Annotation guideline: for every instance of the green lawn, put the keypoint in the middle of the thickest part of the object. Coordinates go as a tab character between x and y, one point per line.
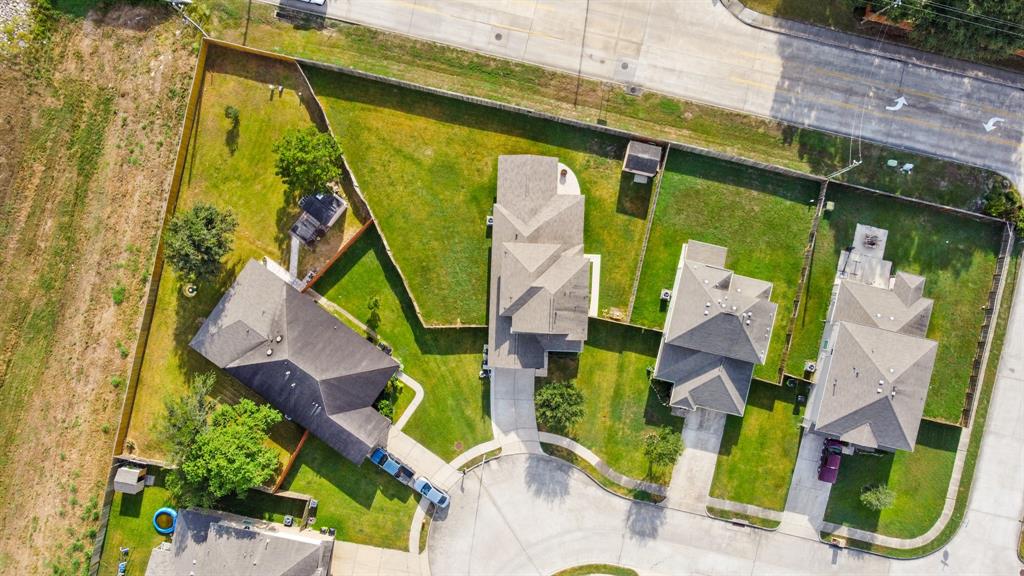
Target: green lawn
243	181
758	452
957	257
428	167
363	503
762	218
919	479
131	526
620	405
454	414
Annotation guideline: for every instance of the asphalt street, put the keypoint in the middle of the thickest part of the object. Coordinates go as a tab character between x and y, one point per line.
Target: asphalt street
697	50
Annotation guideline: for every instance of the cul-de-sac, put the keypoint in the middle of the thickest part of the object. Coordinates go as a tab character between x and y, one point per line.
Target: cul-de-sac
511	287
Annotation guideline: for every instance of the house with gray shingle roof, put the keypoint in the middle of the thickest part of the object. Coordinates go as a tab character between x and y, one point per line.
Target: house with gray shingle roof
301	359
208	543
875	363
540	278
719	325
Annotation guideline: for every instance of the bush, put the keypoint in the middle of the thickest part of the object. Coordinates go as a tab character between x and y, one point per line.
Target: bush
1003	201
662	448
117	381
117	294
877	497
559	406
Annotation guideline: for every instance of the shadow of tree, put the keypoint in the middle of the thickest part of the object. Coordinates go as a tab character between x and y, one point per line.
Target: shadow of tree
644	521
547	477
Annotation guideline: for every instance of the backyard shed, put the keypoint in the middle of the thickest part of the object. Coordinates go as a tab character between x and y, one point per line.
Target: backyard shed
319	212
130	480
642	160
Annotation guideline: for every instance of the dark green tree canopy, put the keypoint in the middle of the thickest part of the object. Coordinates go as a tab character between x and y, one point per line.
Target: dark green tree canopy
559	406
228	456
197	239
307	159
976	29
662	448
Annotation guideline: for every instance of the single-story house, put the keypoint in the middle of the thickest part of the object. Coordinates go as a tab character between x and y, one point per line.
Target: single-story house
642	161
301	359
208	543
319	212
875	362
540	279
719	325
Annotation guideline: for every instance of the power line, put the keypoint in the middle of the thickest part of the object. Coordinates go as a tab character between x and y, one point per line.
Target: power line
971	14
952	17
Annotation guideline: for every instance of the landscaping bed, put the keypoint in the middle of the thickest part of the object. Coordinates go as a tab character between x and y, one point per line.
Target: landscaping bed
620	404
920	480
762	218
956	255
455	413
758	451
428	167
363	503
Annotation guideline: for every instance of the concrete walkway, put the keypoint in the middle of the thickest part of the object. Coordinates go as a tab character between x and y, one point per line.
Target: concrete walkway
293	257
748	509
417	389
808	496
359	560
512	410
693	473
700	51
602	467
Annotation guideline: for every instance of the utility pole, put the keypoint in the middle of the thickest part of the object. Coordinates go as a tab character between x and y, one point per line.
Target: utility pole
579	68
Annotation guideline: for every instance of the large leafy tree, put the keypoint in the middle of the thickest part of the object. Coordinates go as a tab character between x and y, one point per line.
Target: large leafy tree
197	239
559	406
228	456
307	159
976	29
187	416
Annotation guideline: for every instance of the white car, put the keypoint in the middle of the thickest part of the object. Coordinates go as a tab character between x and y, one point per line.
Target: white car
424	487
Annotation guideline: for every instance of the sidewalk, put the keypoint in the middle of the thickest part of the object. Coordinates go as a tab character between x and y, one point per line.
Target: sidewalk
695	469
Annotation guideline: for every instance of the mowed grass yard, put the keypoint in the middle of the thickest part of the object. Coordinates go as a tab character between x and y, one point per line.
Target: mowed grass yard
919	479
363	503
620	406
131	526
243	181
428	167
761	217
758	451
956	255
454	414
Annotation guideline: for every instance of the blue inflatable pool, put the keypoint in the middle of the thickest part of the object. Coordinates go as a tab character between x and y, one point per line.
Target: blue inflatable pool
164	520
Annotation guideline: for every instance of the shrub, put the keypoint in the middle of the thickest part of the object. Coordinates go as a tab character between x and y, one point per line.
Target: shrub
117	381
122	349
1003	201
877	497
117	294
662	448
559	406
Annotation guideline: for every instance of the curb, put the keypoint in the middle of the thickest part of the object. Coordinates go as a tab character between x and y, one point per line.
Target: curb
879	48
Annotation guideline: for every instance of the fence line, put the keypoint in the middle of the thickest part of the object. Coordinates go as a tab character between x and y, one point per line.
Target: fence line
651	208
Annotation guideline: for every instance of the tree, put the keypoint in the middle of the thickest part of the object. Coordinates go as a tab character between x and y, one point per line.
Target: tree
307	159
187	416
559	406
197	239
228	457
977	29
662	448
877	497
1003	201
373	305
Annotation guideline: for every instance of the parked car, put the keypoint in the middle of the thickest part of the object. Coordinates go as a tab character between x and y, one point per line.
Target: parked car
831	456
424	487
392	465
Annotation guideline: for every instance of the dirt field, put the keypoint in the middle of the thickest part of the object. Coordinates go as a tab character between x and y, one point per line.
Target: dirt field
89	125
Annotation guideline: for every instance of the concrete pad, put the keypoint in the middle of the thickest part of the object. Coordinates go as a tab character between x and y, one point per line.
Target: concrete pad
808	496
695	469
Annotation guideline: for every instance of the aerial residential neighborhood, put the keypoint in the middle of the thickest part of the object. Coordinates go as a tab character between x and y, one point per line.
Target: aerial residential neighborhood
561	288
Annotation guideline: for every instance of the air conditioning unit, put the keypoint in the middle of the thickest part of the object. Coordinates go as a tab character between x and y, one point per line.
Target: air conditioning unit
810	366
666	295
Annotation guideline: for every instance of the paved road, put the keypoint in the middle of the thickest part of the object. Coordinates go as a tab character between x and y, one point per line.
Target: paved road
533	514
696	49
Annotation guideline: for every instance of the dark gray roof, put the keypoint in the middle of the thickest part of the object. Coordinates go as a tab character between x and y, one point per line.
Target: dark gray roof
323	207
307	229
642	158
874	392
217	544
718	326
321	374
540	280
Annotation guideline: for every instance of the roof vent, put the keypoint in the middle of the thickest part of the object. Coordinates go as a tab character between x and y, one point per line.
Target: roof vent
877	315
707	304
748	322
893	394
270	351
879	390
705	312
881	382
733	308
278	339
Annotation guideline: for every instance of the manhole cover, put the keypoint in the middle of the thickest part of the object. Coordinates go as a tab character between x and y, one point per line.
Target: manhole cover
498	36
